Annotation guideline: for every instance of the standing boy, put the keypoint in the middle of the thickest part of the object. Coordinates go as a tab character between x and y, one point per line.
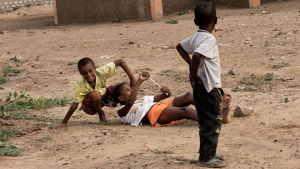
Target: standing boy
92	90
206	81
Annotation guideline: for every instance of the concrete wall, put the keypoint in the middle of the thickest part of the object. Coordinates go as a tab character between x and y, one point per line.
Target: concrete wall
87	11
171	6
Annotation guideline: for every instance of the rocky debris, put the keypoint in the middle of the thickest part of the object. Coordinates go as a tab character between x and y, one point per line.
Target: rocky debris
272	74
231	72
242	111
130	43
13	78
272	58
248	39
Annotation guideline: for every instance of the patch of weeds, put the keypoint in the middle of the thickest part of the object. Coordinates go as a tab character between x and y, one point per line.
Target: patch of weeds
169	71
45	138
16	7
246	88
247	82
147	68
280	65
72	63
163	152
286	99
3	80
18	13
38	57
269	78
6	70
24	14
262	123
266	43
39	4
293	86
172	22
15	106
8	149
24	61
295	31
30	32
28	5
1	88
5	133
153	21
181	79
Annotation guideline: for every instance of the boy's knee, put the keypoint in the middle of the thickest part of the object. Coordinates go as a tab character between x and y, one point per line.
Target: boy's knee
95	96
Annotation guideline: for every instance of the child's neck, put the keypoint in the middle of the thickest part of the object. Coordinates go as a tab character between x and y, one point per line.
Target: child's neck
207	28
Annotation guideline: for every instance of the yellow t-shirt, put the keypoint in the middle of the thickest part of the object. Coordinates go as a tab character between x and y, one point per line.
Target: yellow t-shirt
83	87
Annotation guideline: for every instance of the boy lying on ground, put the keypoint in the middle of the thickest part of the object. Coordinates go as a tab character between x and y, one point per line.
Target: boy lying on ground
147	110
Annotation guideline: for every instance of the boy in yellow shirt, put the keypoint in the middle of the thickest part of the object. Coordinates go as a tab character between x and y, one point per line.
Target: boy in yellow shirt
92	90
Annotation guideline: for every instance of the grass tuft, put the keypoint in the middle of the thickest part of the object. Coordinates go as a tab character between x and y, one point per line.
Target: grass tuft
172	22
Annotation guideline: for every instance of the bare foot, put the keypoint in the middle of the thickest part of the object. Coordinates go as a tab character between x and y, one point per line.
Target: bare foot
226	113
102	120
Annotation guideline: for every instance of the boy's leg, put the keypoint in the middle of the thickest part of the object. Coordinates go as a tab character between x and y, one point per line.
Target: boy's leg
177	113
95	97
210	119
183	100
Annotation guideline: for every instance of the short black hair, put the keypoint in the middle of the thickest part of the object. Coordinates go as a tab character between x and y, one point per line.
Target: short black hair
84	61
205	12
117	91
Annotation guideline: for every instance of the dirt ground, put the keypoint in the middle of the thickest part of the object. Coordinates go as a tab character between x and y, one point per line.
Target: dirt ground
268	138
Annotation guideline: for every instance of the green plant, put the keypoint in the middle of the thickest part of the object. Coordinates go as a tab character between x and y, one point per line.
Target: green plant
16	7
246	88
18	13
45	138
172	22
5	133
266	43
1	88
286	99
33	66
30	32
269	78
153	21
9	149
39	4
169	71
15	106
24	61
28	5
24	14
3	80
6	70
280	65
163	152
72	63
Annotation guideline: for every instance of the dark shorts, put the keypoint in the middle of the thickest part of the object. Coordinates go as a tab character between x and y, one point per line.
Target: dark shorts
107	100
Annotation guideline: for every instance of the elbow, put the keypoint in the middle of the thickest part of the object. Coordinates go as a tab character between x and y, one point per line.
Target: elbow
178	47
119	62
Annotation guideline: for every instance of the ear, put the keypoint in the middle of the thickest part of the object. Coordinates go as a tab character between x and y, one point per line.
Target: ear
196	22
216	20
121	98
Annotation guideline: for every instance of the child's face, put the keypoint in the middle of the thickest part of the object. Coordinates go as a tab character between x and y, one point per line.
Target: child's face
88	72
124	92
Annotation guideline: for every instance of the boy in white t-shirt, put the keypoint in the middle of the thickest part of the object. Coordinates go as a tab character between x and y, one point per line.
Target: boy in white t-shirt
205	72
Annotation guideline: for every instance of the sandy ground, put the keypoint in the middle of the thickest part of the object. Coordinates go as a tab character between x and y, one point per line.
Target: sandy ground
268	138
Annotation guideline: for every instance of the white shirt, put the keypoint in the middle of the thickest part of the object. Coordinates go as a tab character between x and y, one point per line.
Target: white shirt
209	69
137	111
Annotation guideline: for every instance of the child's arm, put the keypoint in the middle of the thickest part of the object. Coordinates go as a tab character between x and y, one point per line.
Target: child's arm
67	117
163	95
122	63
132	98
195	65
183	54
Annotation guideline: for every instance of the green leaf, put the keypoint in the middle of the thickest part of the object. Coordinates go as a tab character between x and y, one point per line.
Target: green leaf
1	88
21	91
15	94
9	94
7	99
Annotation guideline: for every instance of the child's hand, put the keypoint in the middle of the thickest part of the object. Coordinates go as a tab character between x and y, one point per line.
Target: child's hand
61	125
165	90
144	76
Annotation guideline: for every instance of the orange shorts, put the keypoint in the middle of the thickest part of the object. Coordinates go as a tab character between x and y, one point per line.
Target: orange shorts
156	111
